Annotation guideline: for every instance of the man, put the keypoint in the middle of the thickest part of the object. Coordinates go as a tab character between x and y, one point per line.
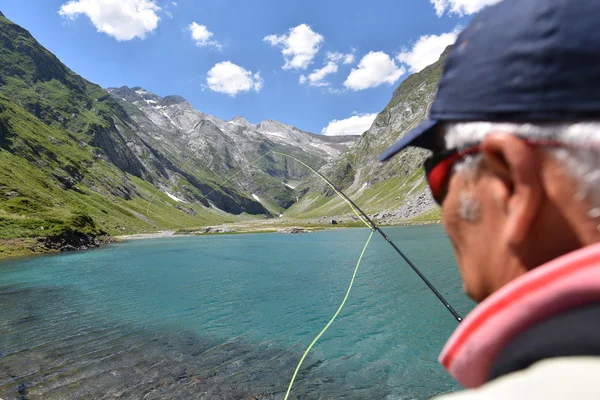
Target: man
515	135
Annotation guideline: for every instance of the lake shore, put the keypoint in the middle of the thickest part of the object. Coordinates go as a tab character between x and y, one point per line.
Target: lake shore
155	235
19	247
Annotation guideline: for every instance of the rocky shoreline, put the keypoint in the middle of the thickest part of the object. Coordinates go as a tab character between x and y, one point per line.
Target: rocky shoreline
50	244
73	242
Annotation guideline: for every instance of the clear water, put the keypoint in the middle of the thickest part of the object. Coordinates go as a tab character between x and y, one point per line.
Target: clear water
229	317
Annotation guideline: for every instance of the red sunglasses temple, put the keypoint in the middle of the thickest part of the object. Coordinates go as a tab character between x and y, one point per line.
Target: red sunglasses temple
438	175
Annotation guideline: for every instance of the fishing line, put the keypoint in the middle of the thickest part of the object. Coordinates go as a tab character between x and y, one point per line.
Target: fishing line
332	318
364	218
372	225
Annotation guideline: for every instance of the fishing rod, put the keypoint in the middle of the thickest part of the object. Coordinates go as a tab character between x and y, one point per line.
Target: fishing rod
363	216
387	238
410	263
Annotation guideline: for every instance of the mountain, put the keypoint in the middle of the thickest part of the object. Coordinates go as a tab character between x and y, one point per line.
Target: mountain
231	147
392	191
78	161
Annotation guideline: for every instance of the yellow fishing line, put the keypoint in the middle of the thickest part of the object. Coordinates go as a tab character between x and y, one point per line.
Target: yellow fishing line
355	268
332	318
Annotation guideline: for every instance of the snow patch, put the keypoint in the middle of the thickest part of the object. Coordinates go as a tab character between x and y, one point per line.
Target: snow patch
277	134
177	199
151	101
170	119
238	124
146	101
141	92
290	186
255	197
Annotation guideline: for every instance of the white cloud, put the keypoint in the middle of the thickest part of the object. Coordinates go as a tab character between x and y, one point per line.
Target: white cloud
332	60
174	3
427	50
202	36
460	7
299	47
375	68
355	125
121	19
229	78
318	75
340	57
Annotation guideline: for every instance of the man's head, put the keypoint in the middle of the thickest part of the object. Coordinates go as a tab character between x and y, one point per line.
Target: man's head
524	195
515	132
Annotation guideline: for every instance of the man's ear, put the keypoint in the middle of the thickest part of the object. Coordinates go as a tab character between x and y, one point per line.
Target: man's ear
515	163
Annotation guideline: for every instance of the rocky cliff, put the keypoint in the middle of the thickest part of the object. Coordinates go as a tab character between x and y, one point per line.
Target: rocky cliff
395	190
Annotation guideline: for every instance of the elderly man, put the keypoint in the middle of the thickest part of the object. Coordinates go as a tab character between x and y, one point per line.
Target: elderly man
515	135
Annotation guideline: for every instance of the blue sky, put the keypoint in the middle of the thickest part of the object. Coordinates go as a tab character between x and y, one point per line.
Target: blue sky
327	65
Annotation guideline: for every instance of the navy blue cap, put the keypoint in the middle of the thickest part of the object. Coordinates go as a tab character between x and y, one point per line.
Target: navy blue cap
519	61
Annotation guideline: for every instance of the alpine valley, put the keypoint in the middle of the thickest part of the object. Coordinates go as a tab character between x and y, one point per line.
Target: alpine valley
80	164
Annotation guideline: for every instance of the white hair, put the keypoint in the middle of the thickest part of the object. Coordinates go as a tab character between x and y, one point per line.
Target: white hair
581	154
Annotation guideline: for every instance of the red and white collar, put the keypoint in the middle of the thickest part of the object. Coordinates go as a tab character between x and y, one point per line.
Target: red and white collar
570	281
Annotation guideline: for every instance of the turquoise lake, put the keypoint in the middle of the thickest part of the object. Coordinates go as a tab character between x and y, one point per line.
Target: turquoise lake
228	317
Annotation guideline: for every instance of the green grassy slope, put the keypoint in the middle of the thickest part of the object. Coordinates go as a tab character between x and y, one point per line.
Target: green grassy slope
47	179
65	160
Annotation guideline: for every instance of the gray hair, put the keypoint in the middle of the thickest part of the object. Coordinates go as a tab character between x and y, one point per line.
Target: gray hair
581	154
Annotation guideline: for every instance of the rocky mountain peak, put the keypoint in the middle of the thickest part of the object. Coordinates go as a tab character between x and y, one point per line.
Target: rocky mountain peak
174	99
241	121
140	94
272	126
124	93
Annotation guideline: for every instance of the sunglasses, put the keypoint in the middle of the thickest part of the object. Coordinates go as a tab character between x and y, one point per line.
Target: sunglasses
439	166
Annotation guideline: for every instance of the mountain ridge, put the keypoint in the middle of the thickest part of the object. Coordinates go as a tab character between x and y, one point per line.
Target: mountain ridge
227	147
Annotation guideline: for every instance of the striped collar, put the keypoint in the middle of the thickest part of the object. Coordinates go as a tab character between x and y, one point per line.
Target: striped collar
570	281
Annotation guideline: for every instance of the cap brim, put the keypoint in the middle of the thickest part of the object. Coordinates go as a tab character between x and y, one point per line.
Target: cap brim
421	136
